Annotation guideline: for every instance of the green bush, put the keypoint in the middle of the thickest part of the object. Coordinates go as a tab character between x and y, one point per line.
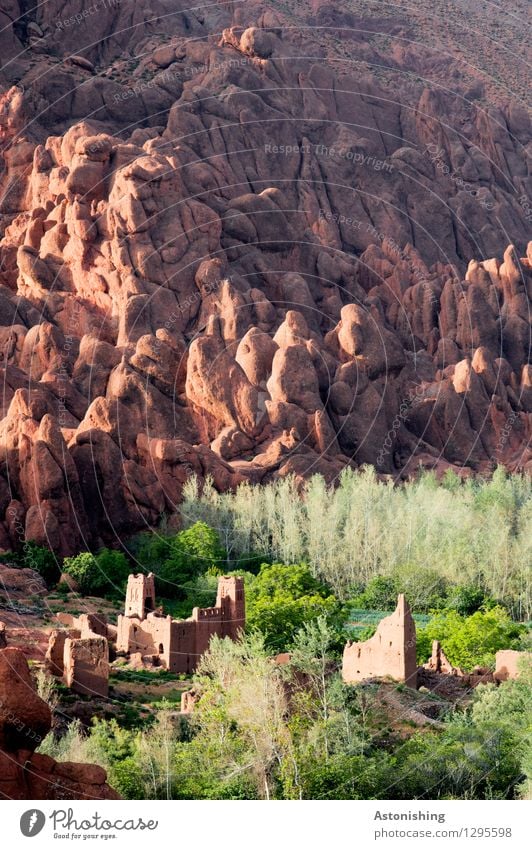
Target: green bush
423	587
115	567
281	599
380	594
37	557
468	599
98	573
470	641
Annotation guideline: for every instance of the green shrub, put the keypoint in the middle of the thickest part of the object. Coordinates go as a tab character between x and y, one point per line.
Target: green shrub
98	573
37	557
380	594
281	599
467	599
423	588
470	641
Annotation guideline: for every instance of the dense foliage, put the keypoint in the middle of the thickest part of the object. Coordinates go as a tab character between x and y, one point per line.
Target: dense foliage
96	574
178	559
470	641
474	533
280	599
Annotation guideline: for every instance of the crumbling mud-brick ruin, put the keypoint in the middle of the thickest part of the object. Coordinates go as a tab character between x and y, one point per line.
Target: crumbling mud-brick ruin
508	664
177	644
79	654
391	652
86	665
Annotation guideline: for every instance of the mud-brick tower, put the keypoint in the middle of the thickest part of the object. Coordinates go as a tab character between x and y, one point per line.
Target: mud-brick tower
390	652
231	600
140	595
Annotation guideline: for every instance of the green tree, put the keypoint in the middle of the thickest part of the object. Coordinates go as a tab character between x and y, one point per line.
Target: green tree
467	599
114	567
98	573
312	656
380	594
470	641
281	599
37	557
84	570
474	532
177	560
465	761
244	704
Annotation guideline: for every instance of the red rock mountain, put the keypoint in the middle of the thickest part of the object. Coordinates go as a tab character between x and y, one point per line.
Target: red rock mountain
248	240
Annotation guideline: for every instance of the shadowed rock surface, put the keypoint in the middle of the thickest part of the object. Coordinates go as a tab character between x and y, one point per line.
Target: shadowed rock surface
227	248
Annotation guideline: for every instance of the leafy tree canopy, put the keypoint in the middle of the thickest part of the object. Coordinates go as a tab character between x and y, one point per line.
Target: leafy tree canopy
97	574
176	560
281	598
470	641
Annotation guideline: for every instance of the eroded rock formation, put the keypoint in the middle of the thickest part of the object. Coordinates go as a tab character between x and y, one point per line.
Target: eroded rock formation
221	257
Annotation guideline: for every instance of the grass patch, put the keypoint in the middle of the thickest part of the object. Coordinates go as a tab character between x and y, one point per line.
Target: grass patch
143	676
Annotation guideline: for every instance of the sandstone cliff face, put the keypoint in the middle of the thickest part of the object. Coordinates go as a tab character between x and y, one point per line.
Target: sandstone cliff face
222	257
24	721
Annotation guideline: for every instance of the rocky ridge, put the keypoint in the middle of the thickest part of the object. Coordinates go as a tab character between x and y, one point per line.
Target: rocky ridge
223	255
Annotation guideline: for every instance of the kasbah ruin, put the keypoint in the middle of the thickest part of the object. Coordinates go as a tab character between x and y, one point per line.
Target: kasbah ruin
82	647
79	653
82	651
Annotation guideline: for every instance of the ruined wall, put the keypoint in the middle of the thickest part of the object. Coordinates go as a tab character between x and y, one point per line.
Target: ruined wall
208	622
183	657
157	630
124	626
92	623
55	652
86	665
145	636
188	701
439	662
65	619
390	652
508	663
